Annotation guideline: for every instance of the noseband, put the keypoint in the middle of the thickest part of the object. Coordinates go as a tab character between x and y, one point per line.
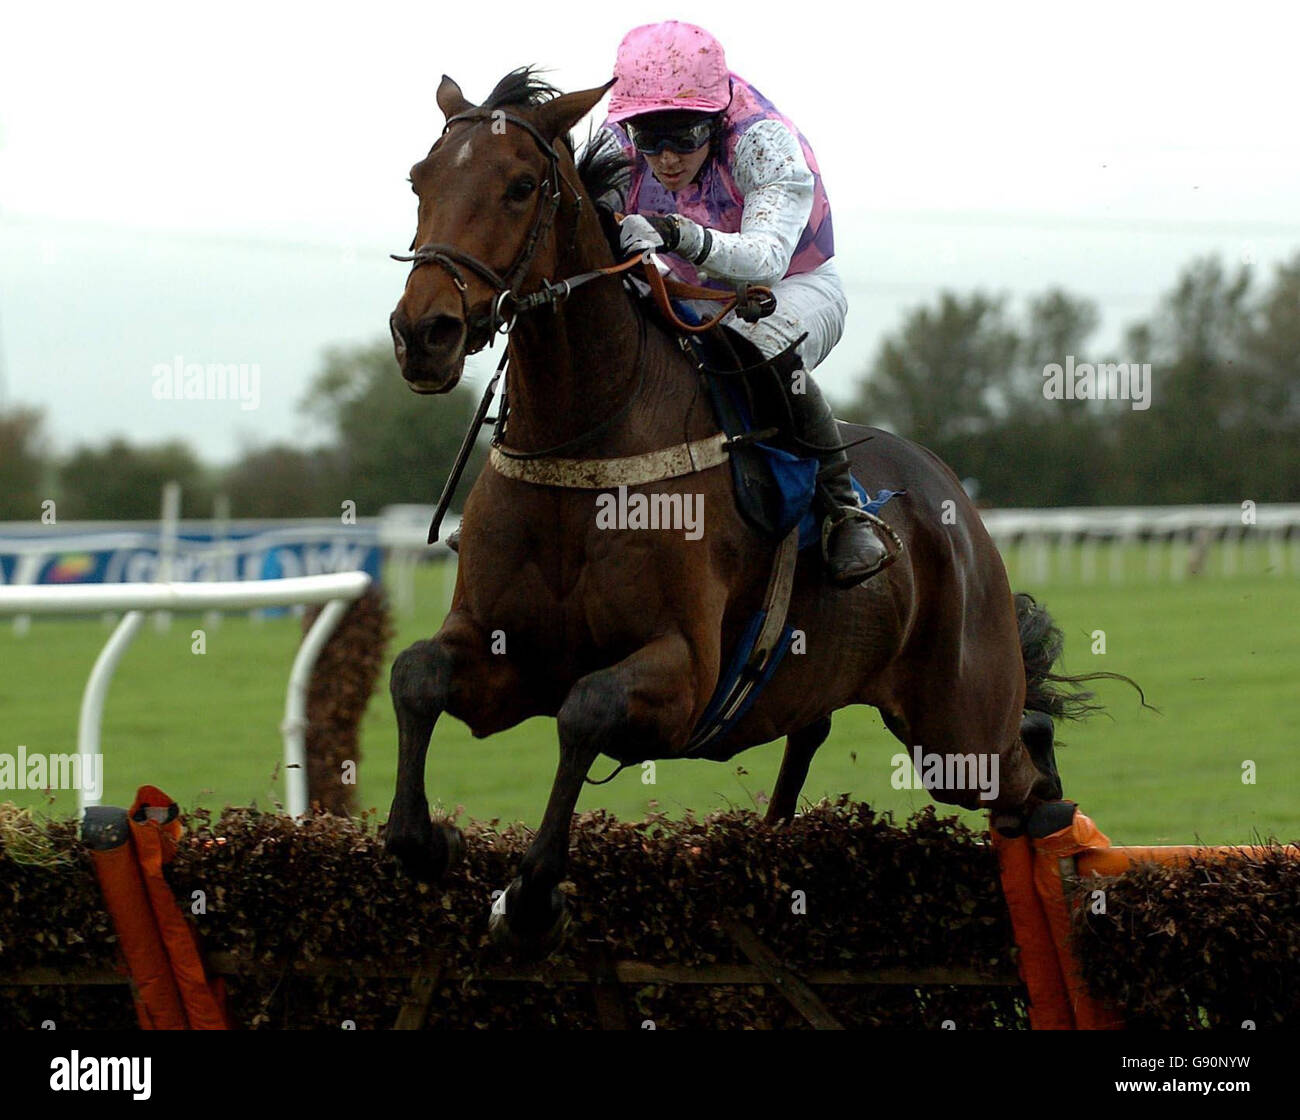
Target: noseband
506	304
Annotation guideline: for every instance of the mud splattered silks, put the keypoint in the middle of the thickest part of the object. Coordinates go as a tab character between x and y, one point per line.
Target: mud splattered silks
754	167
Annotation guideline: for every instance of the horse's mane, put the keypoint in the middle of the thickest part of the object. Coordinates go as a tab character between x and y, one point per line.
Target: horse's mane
523	88
605	173
602	168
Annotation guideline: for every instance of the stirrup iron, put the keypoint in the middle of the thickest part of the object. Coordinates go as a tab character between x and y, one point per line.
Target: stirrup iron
883	530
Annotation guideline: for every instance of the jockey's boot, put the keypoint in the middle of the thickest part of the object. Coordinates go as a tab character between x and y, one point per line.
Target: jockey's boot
453	540
850	545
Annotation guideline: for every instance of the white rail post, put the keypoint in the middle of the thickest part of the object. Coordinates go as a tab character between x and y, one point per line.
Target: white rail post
220	531
92	701
168	527
294	727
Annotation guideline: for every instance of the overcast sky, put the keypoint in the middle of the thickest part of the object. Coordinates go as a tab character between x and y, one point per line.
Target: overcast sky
224	183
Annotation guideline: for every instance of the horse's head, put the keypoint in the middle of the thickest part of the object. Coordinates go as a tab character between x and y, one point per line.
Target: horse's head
492	191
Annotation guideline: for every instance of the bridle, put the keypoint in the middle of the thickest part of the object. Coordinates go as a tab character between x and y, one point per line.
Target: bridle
506	304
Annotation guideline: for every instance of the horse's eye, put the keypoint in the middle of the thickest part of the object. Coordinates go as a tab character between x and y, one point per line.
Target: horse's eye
521	188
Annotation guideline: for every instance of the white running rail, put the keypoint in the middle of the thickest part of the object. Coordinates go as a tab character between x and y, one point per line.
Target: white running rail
335	591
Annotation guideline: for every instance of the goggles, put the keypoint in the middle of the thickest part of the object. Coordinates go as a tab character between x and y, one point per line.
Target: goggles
682	139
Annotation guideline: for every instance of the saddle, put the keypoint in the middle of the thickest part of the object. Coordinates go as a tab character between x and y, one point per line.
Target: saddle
774	480
774	486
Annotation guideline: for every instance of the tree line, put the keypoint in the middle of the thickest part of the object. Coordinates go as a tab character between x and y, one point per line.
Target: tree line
385	446
965	375
970	380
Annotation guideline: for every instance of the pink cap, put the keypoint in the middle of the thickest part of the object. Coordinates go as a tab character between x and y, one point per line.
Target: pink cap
669	65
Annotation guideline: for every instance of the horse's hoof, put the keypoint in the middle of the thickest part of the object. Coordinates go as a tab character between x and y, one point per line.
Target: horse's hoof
1049	817
1011	823
425	853
455	841
535	936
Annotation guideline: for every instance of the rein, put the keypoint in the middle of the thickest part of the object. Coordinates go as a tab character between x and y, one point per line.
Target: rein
755	301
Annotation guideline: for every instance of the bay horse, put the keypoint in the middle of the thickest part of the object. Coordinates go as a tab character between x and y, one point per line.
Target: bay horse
621	634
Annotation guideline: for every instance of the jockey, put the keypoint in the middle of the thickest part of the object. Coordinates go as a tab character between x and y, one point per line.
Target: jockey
730	190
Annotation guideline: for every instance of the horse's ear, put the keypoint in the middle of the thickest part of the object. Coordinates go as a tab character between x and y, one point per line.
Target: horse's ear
450	100
560	114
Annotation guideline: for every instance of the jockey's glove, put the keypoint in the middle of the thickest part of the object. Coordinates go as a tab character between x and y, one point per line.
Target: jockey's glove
667	233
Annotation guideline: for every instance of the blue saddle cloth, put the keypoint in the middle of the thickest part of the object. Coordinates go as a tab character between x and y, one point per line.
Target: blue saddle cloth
774	488
796	479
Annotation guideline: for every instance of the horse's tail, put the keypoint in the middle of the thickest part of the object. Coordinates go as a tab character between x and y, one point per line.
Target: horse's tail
1041	643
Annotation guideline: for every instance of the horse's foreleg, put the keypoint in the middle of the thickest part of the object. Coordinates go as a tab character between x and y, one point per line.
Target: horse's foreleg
640	708
454	671
800	746
418	684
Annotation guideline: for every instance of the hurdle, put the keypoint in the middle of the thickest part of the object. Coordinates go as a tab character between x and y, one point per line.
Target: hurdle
1055	849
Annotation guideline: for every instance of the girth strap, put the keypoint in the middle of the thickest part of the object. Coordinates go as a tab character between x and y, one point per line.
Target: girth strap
601	474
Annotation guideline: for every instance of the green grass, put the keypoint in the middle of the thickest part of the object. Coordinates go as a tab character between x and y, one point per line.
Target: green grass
1217	655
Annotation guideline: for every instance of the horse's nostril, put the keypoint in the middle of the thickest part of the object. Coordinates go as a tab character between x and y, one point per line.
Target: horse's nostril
441	332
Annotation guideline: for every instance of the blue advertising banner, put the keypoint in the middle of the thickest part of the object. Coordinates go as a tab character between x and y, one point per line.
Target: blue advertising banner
104	554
